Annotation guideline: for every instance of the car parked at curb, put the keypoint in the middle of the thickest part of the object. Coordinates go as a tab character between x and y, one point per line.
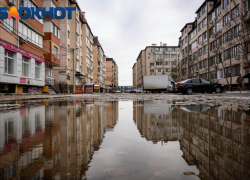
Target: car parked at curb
195	85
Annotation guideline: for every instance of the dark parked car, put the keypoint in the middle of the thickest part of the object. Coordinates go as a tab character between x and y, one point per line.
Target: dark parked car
132	91
190	86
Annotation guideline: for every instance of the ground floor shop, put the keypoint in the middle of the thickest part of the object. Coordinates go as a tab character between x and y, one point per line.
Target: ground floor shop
20	71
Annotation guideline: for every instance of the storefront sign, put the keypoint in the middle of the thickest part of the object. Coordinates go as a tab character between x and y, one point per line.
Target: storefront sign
22	52
32	90
22	80
89	89
62	72
19	90
78	89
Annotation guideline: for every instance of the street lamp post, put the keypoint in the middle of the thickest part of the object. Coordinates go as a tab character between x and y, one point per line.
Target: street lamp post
74	68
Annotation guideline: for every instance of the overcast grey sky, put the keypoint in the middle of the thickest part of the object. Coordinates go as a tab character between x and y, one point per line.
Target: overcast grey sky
125	27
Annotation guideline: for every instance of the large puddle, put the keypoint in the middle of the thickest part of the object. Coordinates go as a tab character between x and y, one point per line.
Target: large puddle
88	139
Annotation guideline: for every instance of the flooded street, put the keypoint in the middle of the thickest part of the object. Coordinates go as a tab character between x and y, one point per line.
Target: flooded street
85	138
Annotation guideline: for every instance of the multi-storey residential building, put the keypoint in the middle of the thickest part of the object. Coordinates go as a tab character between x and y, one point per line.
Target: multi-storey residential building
214	46
134	74
112	73
51	46
156	60
22	66
99	74
76	66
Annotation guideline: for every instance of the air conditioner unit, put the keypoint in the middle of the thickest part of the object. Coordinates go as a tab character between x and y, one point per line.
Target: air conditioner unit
202	43
11	2
22	39
237	58
4	87
211	22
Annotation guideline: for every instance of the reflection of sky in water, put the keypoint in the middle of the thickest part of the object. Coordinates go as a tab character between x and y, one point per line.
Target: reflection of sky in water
125	155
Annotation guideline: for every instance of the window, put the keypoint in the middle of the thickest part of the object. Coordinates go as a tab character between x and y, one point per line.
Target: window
228	72
196	81
204	22
195	56
30	3
152	70
205	49
77	37
227	54
151	57
167	63
211	31
167	70
212	16
186	38
174	63
157	49
166	49
37	70
158	63
212	45
158	56
200	52
200	65
226	19
219	26
25	67
174	49
77	24
236	51
77	63
9	24
227	36
55	30
199	26
68	34
212	61
151	50
200	39
205	81
204	36
225	3
158	70
194	45
151	64
213	75
8	62
31	35
219	41
192	34
236	70
173	56
205	63
219	74
235	31
55	51
167	56
235	12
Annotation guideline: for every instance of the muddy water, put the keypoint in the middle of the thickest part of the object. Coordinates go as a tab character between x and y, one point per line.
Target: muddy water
87	139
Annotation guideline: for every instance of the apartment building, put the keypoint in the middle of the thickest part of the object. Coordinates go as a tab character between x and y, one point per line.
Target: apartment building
111	74
76	65
22	63
99	60
213	46
156	60
214	142
134	74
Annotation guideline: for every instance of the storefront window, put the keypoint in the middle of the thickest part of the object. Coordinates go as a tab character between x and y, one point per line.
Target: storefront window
9	63
25	67
37	70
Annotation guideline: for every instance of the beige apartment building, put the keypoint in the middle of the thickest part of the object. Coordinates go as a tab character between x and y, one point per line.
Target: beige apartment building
134	74
76	56
214	46
155	60
112	73
99	72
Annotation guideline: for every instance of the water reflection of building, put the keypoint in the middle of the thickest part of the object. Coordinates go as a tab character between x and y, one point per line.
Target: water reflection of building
21	141
55	141
216	141
156	122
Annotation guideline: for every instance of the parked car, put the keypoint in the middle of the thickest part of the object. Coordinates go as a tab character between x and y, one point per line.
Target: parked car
190	86
139	90
118	91
132	91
